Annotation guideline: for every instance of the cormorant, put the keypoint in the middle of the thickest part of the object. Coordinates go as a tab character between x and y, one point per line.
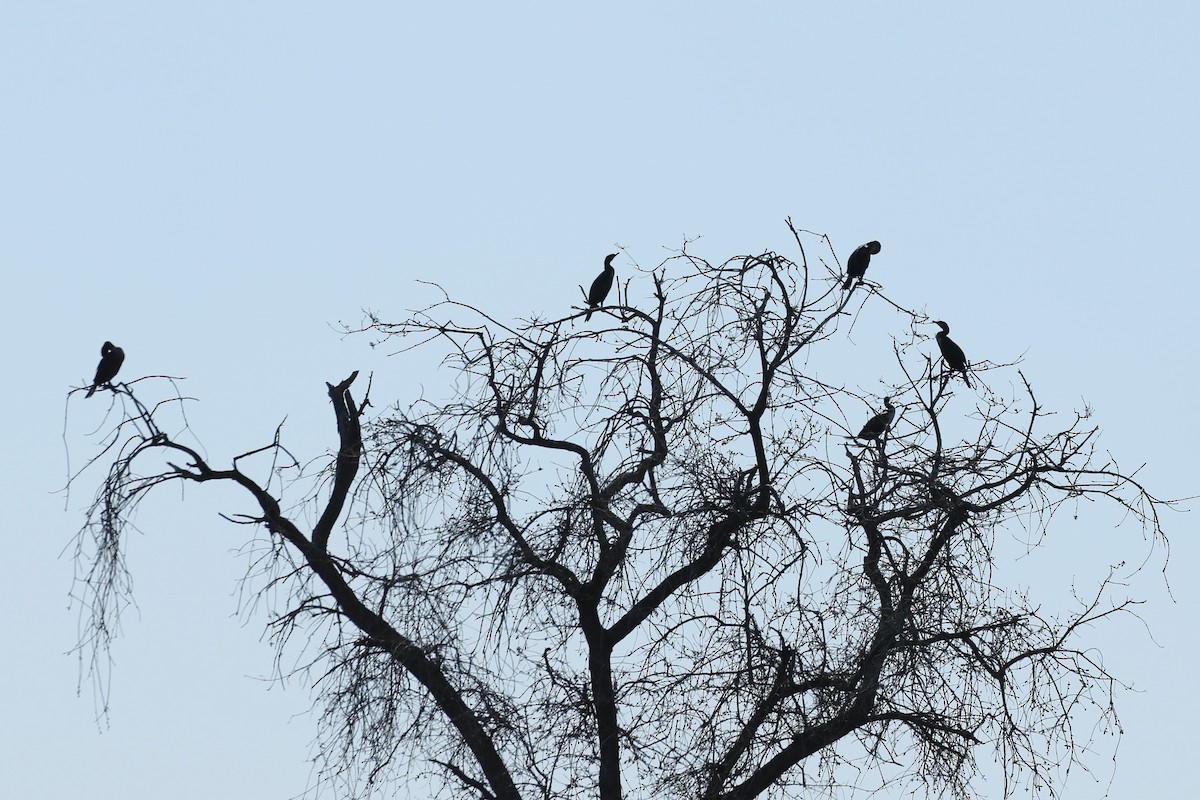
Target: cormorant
951	352
111	358
601	286
879	423
859	260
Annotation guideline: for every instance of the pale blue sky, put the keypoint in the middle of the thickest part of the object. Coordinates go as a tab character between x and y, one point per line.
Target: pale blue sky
213	186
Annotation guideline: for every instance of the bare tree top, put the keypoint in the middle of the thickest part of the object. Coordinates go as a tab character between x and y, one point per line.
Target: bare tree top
637	550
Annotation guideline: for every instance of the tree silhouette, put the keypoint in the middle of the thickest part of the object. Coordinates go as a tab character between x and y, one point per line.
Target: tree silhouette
651	559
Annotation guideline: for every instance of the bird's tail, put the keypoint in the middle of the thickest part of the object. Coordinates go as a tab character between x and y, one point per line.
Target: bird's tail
849	282
92	390
966	380
589	315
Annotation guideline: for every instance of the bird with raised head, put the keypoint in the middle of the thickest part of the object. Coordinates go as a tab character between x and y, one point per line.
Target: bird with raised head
877	425
111	358
601	286
859	260
952	354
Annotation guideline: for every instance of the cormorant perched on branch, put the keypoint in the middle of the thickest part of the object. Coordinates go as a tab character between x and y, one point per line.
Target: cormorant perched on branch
859	260
601	286
879	423
111	358
953	355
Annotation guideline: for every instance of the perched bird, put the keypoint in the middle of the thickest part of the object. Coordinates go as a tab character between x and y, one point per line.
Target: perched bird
859	260
601	286
878	424
111	358
952	354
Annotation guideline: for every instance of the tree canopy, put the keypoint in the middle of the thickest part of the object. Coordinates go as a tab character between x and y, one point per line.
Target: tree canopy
646	555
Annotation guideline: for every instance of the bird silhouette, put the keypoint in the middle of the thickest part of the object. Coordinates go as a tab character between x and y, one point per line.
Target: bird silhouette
878	424
601	286
859	260
952	354
111	358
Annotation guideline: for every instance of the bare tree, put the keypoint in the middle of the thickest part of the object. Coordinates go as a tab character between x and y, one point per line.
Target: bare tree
647	558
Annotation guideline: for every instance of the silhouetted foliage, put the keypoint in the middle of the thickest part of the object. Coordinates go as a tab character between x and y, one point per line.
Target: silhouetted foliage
651	560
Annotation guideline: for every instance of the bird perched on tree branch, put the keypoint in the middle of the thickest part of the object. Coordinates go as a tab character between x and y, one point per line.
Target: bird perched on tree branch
877	425
859	260
111	358
601	286
952	354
